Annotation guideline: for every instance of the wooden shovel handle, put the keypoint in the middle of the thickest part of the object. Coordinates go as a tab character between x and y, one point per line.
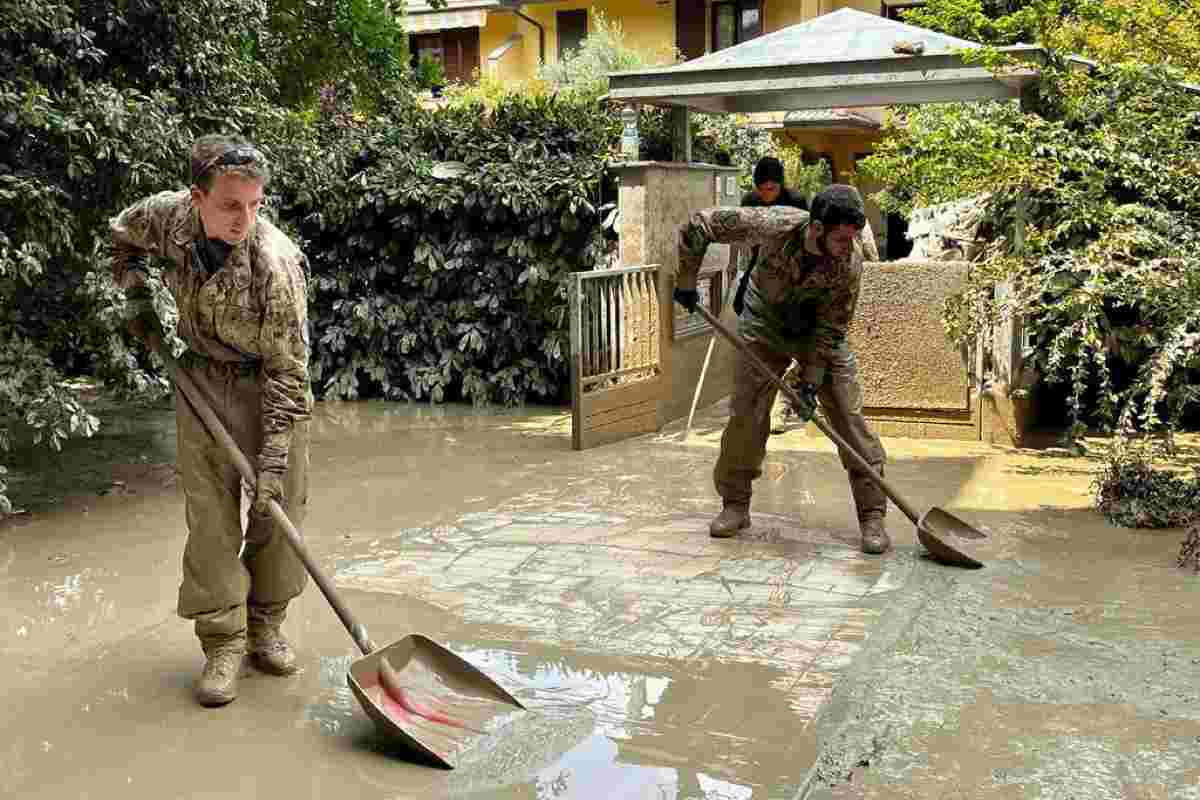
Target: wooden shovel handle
791	394
219	432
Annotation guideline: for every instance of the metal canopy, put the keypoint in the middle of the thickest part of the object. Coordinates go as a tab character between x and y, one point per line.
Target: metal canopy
845	59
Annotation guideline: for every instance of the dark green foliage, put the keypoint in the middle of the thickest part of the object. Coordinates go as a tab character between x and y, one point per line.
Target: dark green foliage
1106	269
454	289
1132	493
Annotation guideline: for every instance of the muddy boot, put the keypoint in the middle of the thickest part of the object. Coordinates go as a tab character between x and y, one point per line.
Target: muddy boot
269	651
875	539
217	684
733	518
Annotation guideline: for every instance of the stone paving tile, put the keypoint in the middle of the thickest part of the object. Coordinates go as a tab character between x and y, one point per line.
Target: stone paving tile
650	586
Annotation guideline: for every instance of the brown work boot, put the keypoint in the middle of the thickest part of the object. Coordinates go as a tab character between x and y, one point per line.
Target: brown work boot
269	650
875	539
217	684
733	518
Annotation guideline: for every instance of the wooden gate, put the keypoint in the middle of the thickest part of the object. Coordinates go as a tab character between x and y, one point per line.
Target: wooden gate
616	369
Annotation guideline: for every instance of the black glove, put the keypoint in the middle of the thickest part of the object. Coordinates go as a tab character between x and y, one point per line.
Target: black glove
807	405
688	298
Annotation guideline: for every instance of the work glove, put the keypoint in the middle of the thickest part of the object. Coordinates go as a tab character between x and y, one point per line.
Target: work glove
688	298
270	487
807	405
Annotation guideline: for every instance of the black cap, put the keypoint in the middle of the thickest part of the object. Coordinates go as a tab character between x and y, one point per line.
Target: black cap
839	204
767	169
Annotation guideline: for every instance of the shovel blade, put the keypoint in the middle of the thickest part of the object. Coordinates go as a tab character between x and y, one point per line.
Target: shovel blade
447	706
949	539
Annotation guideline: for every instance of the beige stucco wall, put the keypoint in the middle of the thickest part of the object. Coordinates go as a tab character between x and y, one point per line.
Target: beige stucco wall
655	199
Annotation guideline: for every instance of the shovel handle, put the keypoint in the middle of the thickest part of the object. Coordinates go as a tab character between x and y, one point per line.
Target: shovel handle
218	431
791	394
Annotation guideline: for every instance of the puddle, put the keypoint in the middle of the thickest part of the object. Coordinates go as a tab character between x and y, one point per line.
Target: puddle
591	729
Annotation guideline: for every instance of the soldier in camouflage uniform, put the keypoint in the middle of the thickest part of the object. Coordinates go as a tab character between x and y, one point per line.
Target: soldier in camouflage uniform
239	284
799	305
780	412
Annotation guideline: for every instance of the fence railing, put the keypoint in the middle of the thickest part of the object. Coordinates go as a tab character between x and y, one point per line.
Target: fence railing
615	326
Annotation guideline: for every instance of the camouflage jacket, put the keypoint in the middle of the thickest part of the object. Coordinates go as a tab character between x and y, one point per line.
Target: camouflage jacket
252	309
797	302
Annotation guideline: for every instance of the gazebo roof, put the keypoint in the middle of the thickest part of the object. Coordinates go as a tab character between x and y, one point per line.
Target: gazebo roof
846	59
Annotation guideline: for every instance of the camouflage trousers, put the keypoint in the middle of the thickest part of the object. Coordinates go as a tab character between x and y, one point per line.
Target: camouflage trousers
225	567
744	443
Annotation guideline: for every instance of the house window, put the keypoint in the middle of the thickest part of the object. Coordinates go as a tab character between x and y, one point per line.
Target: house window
572	27
895	11
735	21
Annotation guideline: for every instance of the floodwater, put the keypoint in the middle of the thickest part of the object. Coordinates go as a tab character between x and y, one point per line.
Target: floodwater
655	662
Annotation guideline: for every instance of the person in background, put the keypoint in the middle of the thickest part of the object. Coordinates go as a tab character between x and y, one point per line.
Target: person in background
770	189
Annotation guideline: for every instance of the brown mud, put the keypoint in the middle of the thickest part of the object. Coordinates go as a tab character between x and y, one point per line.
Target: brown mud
655	661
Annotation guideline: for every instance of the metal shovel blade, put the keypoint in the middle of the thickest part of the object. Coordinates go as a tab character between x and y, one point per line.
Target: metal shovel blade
949	539
446	704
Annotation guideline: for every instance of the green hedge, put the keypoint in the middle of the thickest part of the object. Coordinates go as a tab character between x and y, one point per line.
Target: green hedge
449	289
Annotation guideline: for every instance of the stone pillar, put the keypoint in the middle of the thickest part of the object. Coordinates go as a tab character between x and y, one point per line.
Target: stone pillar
655	199
681	129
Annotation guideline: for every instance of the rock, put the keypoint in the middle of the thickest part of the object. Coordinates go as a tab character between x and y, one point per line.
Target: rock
908	48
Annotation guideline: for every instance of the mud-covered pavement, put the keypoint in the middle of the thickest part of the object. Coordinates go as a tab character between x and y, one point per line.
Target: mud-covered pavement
657	662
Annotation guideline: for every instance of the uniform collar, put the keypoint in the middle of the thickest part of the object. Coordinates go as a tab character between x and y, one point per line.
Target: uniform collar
237	263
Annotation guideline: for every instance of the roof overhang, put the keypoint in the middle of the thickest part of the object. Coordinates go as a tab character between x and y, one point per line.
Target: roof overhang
893	80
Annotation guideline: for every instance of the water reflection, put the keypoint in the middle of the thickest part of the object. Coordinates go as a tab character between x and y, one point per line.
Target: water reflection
598	727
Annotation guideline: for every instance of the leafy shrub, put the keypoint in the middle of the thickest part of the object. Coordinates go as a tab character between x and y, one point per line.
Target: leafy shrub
98	104
457	288
429	73
802	176
1130	492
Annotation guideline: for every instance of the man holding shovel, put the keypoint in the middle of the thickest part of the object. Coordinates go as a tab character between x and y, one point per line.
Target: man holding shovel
798	306
239	285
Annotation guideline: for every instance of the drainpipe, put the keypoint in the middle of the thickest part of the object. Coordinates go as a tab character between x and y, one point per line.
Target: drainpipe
516	9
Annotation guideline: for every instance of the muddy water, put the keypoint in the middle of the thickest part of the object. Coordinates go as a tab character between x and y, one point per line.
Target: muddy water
655	661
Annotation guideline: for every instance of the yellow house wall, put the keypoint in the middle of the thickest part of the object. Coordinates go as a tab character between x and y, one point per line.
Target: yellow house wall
646	25
499	27
782	13
869	6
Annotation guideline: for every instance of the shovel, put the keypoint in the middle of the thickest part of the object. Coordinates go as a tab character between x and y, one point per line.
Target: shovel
944	535
419	694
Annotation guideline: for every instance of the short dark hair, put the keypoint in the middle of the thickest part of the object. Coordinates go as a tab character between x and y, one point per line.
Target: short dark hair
839	204
770	169
216	154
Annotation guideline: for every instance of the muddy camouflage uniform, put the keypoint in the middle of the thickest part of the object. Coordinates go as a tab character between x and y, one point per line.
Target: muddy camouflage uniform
246	327
798	306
